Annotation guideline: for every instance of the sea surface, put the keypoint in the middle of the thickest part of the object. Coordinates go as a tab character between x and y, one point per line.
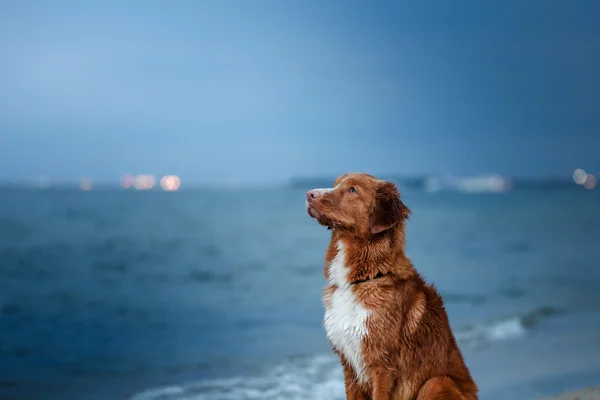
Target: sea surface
216	294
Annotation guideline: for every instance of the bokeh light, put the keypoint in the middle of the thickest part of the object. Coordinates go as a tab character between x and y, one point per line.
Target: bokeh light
127	181
144	182
170	183
590	182
579	176
86	184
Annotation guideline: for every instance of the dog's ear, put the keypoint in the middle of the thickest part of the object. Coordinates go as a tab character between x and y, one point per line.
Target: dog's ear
389	209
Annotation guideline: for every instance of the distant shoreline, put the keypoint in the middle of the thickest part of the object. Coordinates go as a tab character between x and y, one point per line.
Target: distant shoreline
420	182
410	182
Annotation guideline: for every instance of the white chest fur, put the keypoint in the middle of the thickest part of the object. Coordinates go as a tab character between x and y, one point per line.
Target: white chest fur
345	317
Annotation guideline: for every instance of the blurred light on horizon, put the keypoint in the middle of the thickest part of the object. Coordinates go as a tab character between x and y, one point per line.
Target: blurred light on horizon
127	181
86	184
170	183
144	182
579	176
590	182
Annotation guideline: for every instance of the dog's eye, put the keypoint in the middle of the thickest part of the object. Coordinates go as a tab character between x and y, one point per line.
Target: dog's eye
352	190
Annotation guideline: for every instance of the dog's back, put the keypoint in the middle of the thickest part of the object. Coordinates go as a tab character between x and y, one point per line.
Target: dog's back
429	360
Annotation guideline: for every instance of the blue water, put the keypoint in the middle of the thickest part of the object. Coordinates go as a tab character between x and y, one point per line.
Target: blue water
216	294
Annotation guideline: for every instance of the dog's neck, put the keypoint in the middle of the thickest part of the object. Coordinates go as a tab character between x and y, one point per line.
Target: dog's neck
372	257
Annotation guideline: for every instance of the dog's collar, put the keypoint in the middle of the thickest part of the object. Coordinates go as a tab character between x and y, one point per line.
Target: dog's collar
377	276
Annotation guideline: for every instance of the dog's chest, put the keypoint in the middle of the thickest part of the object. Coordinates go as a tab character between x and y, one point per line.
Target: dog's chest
346	326
345	317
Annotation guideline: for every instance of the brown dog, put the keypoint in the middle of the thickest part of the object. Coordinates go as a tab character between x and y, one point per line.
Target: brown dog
388	327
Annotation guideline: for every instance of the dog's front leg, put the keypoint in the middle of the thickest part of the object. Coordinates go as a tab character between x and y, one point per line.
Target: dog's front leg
382	384
354	391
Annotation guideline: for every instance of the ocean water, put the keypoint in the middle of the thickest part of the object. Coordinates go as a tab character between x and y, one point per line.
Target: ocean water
216	294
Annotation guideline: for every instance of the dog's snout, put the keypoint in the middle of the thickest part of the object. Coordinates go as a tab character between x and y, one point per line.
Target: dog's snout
312	194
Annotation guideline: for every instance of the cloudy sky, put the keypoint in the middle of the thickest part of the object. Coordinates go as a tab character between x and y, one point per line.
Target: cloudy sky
258	91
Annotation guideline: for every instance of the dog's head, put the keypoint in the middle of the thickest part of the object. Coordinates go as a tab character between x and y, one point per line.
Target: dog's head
358	203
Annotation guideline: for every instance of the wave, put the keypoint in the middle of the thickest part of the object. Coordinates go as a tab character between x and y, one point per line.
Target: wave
317	377
503	328
320	377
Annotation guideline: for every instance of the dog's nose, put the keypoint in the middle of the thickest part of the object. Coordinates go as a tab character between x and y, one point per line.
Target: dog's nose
312	194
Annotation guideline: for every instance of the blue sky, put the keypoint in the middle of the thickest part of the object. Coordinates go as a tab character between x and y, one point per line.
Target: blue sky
258	91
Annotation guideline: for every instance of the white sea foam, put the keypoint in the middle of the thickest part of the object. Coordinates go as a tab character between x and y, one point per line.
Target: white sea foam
504	328
499	330
320	377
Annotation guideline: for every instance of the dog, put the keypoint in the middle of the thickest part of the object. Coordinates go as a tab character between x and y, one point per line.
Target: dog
387	325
